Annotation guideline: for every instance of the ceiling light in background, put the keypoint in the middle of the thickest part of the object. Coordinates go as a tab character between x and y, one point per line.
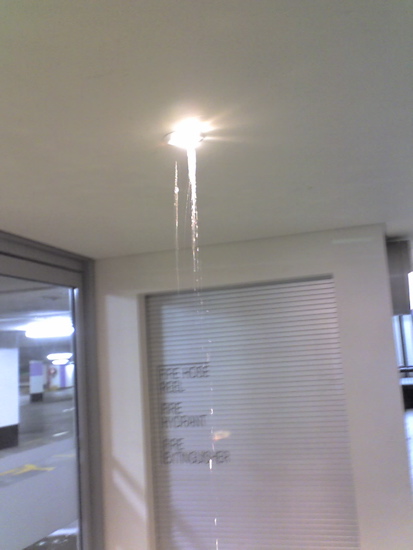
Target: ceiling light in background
52	327
54	356
60	362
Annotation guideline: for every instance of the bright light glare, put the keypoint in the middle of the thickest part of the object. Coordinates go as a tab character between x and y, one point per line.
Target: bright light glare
70	369
53	327
188	134
60	362
221	434
53	356
411	289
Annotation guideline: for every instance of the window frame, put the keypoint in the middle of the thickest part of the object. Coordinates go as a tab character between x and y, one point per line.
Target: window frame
26	259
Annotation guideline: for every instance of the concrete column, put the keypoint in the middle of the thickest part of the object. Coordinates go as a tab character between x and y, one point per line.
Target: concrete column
37	380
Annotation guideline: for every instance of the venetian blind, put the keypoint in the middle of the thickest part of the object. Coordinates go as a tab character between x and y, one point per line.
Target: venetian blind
250	442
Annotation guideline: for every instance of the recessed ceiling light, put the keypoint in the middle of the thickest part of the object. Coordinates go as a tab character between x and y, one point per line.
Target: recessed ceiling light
60	362
52	327
54	356
188	134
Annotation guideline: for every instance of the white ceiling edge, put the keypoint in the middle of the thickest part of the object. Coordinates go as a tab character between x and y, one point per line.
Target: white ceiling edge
310	105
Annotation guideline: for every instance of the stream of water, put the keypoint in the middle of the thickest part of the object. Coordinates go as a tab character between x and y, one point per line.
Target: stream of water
197	286
191	155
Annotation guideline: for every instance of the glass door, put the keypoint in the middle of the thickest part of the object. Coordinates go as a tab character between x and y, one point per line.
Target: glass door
39	477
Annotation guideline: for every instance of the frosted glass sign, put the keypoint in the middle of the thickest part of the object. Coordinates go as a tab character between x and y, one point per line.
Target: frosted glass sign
250	443
179	416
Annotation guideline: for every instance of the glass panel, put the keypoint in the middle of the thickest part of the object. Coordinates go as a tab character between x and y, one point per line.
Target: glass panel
403	337
408	338
398	341
408	420
38	450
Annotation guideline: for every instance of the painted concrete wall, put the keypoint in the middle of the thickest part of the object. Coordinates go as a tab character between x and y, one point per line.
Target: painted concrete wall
9	387
356	258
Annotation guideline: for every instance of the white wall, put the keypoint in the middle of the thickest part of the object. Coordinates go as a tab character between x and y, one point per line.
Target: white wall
356	258
9	387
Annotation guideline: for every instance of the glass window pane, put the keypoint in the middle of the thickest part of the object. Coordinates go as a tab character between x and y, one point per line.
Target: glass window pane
38	450
398	341
408	338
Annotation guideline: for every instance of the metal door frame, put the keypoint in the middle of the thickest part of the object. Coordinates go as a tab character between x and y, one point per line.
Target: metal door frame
26	259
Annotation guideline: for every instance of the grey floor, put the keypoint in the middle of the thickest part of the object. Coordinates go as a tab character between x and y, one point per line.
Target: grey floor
44	421
44	426
60	540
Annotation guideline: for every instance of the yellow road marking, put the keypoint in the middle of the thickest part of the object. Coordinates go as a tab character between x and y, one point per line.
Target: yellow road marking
24	469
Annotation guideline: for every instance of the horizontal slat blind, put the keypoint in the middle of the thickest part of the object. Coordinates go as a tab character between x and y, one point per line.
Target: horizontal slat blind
250	443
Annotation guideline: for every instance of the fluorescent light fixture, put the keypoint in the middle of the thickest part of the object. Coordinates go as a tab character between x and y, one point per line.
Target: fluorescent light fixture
188	134
52	327
60	362
53	356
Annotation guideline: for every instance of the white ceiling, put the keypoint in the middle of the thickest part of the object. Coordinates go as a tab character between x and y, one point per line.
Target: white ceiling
22	302
311	103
